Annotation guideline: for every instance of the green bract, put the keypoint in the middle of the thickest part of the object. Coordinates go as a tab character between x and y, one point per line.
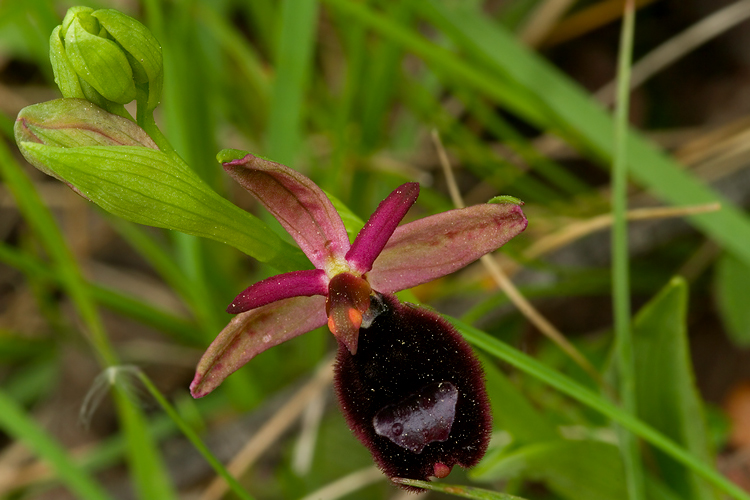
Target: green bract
107	58
74	123
111	161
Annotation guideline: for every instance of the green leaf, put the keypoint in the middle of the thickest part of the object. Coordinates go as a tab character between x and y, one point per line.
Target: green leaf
666	393
577	470
144	185
585	396
732	282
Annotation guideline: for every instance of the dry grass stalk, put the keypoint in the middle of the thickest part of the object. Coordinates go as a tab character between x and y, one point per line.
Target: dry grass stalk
507	286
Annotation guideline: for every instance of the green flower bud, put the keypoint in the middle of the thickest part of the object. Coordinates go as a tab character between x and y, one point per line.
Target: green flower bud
83	15
107	58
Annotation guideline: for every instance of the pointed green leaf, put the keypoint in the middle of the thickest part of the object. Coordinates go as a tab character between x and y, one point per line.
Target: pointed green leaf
666	393
83	15
585	396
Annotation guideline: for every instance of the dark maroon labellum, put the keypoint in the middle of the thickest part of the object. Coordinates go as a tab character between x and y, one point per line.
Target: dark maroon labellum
414	393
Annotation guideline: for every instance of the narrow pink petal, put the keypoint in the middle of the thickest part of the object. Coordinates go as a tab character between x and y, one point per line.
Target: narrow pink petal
297	203
295	284
432	247
374	236
252	332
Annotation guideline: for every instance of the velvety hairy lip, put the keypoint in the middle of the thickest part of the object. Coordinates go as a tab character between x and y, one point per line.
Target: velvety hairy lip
412	362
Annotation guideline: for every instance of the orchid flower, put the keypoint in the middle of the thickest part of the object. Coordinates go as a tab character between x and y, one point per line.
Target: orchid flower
409	385
384	258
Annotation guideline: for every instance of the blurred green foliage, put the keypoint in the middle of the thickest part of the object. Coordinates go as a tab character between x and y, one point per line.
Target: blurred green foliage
348	92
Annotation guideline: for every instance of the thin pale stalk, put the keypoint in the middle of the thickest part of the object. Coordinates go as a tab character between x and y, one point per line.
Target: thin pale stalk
679	46
579	229
347	484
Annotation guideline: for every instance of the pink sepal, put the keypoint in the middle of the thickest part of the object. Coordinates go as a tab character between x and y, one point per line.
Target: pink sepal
252	332
299	205
430	248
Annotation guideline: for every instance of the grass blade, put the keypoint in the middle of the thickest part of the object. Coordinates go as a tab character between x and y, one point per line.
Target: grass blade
459	491
194	439
621	260
530	86
575	116
299	20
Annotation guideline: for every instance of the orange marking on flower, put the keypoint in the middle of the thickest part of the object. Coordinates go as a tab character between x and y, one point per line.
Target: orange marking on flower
332	325
355	317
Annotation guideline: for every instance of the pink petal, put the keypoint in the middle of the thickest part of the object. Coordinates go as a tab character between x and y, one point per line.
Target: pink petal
432	247
295	284
379	228
252	332
298	204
